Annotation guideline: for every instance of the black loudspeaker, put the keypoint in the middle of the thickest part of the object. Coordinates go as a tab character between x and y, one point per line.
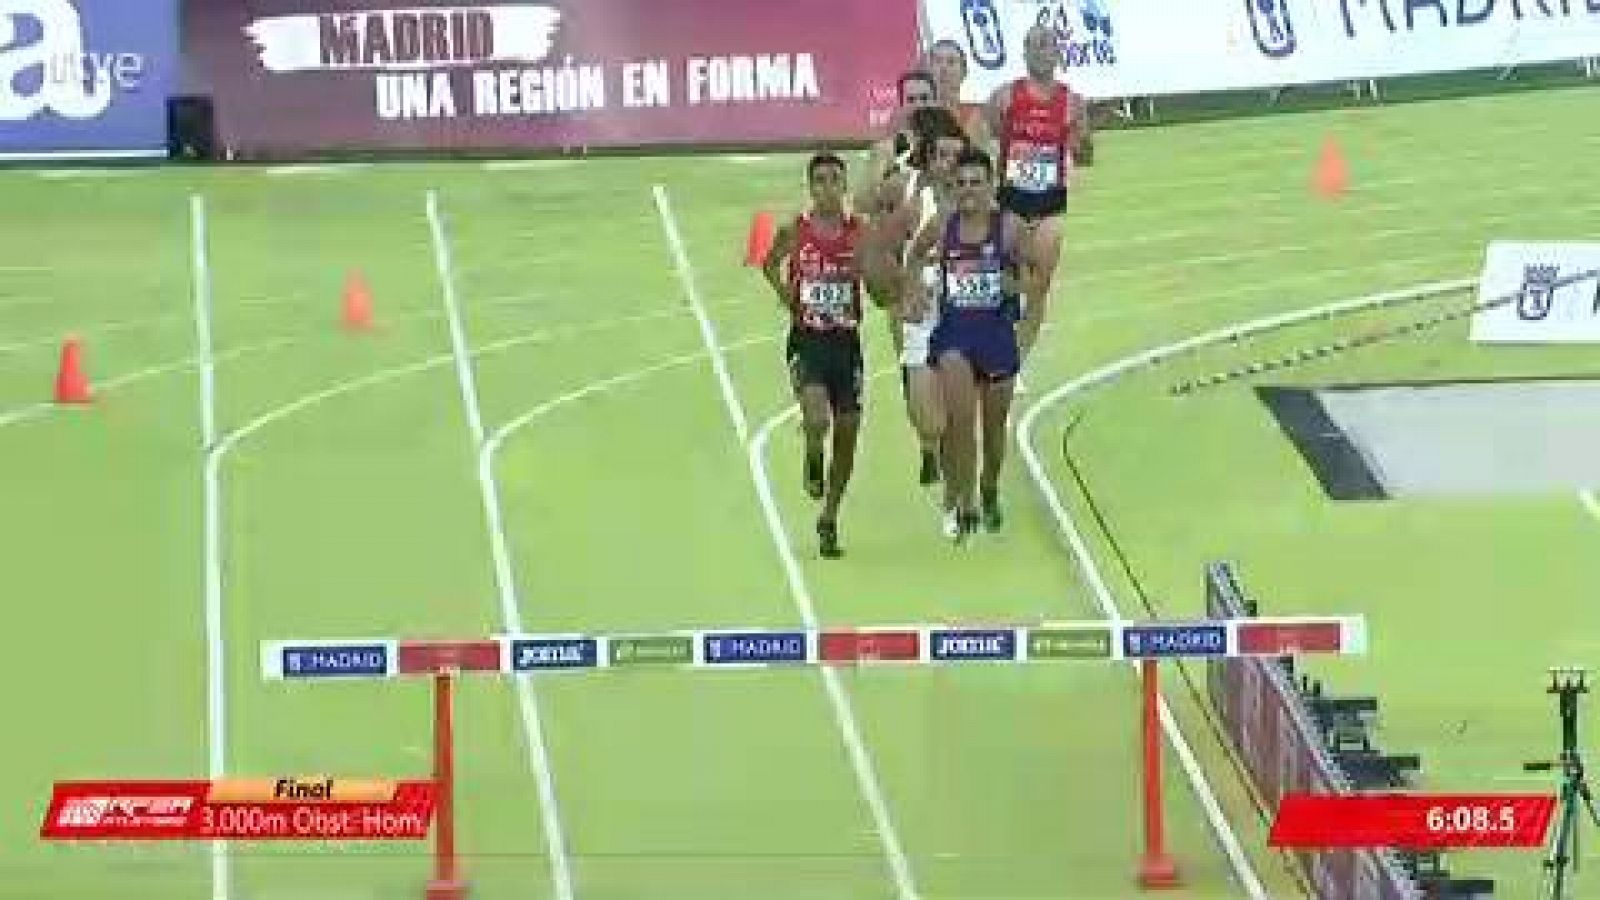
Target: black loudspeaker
191	128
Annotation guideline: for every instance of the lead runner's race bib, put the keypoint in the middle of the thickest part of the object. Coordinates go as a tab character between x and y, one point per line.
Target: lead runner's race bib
973	290
1033	167
828	304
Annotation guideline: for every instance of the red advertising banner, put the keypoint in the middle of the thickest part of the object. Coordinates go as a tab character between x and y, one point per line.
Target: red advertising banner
298	77
291	809
1412	821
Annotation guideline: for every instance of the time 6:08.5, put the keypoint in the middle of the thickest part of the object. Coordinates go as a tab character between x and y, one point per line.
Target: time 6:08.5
1472	819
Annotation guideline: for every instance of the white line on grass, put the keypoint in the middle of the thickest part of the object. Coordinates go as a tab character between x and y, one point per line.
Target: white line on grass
510	607
1590	502
34	410
216	658
492	446
1075	542
65	174
860	758
97	328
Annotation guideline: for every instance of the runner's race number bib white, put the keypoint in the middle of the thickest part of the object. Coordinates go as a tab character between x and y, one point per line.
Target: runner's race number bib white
974	290
828	304
1033	167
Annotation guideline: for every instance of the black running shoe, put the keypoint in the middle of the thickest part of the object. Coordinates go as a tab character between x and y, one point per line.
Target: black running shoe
930	469
993	518
828	536
966	526
816	478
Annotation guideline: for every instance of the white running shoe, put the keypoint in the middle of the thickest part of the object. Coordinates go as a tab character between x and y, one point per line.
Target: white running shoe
950	526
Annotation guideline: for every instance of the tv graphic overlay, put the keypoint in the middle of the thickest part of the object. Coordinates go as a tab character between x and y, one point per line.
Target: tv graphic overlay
1412	821
307	808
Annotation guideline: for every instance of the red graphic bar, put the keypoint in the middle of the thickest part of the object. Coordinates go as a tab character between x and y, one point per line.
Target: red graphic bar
1288	638
856	646
183	810
421	657
1412	821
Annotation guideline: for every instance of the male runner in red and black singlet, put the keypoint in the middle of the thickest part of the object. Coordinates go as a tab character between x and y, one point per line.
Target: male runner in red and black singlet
821	290
1043	129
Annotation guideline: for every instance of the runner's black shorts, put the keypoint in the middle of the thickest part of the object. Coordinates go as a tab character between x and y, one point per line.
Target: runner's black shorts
1033	205
832	359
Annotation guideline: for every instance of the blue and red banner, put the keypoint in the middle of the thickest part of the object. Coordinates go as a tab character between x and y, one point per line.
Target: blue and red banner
86	78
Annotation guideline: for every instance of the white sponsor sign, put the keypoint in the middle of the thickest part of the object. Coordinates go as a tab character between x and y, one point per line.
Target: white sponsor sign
1123	48
70	82
401	39
1560	302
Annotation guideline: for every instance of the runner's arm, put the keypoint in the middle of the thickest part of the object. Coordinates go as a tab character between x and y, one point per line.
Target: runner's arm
879	269
913	299
994	115
1031	262
1083	129
772	267
866	196
981	135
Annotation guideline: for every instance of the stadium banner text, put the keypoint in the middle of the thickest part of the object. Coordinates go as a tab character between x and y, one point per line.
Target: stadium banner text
86	78
1135	48
307	808
292	77
1558	293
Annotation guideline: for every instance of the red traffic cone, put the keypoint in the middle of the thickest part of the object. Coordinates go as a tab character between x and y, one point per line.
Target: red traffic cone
72	383
357	303
759	243
1332	176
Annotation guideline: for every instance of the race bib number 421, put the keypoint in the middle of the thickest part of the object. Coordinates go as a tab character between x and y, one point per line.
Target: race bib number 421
1031	167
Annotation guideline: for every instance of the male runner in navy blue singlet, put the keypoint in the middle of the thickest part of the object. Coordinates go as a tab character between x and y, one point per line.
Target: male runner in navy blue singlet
987	260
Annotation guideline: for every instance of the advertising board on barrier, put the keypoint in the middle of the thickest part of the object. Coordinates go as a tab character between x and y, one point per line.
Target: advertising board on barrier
1559	299
86	78
291	77
1276	740
1129	48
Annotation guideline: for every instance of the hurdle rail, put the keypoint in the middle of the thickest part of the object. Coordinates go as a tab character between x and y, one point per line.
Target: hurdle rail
741	649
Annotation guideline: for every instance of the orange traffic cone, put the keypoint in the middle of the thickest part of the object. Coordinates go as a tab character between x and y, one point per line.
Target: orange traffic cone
759	243
357	303
1332	175
72	383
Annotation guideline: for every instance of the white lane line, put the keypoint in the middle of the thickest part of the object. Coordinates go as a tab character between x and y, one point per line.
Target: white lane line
1074	539
510	607
493	444
844	715
301	169
97	328
217	453
1590	502
34	410
216	651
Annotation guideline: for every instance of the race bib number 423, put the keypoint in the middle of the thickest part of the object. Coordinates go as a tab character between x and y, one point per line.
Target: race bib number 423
828	303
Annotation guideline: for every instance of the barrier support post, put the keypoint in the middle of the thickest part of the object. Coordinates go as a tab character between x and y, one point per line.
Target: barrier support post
447	883
1156	869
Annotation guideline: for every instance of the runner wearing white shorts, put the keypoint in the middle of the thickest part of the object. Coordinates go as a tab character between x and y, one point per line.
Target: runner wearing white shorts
939	144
